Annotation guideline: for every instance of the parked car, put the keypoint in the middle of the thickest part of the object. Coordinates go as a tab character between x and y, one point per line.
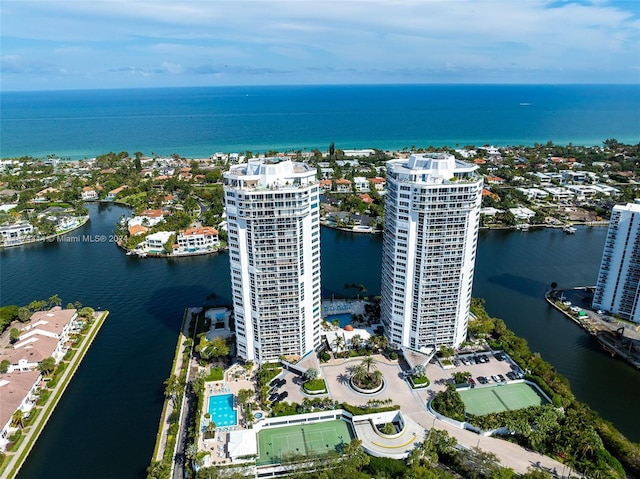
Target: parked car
495	378
501	378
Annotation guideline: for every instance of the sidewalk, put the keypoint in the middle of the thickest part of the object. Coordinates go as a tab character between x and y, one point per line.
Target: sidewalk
168	409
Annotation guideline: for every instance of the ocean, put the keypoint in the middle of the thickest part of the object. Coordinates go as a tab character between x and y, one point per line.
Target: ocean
197	122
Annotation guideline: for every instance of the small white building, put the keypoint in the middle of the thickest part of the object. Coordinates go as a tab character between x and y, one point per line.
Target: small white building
533	193
155	242
16	231
89	194
361	183
559	194
522	213
606	190
361	153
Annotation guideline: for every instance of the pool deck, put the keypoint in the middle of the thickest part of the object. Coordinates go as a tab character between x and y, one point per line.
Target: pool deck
217	446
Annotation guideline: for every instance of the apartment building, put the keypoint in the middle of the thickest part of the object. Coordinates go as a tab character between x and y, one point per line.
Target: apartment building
273	225
618	287
429	248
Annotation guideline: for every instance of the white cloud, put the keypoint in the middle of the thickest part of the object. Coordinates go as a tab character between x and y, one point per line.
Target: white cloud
355	37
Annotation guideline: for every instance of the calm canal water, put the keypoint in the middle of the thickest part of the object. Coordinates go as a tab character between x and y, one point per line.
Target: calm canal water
105	425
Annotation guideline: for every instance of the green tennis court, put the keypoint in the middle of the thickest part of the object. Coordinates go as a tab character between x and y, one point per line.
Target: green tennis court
309	439
506	397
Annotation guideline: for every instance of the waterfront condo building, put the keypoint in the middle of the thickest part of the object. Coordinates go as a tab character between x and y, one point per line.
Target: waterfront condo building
432	218
618	288
273	225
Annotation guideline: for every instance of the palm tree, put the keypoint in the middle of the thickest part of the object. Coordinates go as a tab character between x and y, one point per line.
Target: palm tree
17	420
46	365
338	343
369	363
173	389
378	342
358	372
55	301
356	341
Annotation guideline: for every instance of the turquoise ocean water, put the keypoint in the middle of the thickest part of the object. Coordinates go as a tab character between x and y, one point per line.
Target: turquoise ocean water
196	122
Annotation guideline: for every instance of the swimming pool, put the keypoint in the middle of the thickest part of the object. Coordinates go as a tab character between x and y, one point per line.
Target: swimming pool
221	410
343	319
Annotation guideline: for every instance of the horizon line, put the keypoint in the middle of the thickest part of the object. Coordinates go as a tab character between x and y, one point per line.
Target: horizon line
316	85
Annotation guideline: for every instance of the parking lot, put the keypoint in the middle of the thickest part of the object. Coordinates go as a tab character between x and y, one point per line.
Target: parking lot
490	367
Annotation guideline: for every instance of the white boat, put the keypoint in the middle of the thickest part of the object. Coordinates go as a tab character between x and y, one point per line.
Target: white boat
569	229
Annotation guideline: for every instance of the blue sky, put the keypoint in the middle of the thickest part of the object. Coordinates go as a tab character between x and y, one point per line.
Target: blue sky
81	44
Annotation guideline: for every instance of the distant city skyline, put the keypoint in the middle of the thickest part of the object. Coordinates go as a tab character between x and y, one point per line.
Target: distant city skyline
58	45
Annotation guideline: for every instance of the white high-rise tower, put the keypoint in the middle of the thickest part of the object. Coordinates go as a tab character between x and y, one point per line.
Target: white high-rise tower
273	223
432	216
618	288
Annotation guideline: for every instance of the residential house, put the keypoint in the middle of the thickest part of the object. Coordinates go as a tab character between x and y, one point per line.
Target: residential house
327	172
343	185
366	198
111	196
533	193
325	185
495	180
14	232
521	213
342	163
204	238
155	242
379	184
45	335
559	193
490	194
136	230
361	183
89	194
42	196
569	176
543	177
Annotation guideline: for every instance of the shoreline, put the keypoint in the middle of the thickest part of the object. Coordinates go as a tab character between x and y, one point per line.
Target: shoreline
142	255
611	341
589	224
51	238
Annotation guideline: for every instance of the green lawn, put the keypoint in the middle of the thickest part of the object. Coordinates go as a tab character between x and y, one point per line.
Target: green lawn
506	397
281	443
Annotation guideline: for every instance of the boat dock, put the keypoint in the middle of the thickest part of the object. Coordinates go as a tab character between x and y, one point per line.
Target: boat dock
619	339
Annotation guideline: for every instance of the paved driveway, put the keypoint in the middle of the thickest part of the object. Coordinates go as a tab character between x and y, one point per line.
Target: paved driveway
336	374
